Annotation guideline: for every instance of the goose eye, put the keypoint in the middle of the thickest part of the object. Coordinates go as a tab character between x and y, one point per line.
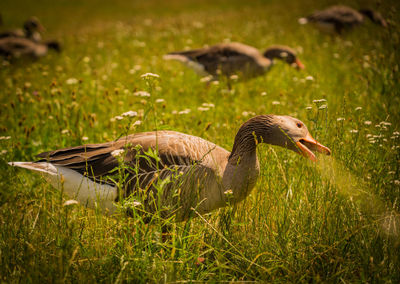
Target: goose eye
299	125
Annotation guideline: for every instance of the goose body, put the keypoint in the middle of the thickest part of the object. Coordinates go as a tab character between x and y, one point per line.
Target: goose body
168	170
22	47
337	18
233	58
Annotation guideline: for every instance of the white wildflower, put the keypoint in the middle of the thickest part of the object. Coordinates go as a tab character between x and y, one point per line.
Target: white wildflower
85	138
216	83
340	119
323	107
206	79
118	117
396	182
130	113
385	123
185	111
228	192
319	101
203	108
358	108
309	78
3	152
367	122
354	131
5	137
159	101
336	55
302	21
368	135
234	77
174	112
117	153
263	93
150	75
137	123
276	103
141	94
86	59
70	202
72	81
208	105
309	108
396	133
65	131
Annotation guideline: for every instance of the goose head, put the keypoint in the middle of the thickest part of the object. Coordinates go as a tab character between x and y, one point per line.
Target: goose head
283	131
284	53
32	25
374	16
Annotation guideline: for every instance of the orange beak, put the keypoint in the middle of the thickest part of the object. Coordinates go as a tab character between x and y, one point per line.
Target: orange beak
309	144
299	64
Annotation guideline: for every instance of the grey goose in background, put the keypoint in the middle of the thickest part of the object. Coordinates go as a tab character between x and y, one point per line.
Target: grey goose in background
15	47
234	59
174	172
336	19
31	30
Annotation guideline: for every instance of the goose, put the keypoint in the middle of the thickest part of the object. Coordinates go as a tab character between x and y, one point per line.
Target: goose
233	58
337	18
31	30
174	172
15	47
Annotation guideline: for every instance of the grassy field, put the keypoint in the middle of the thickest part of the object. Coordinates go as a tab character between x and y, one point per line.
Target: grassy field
334	221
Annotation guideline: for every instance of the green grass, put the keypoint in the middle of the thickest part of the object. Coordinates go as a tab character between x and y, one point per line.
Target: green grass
335	221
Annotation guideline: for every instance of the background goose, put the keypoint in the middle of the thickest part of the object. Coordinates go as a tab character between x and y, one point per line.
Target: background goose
234	58
340	17
31	30
14	47
186	172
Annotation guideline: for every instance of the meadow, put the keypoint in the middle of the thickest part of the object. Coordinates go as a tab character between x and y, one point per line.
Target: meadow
333	221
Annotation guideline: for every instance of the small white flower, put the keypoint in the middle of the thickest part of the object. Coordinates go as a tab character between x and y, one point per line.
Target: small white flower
309	108
70	202
65	131
372	141
72	81
354	131
385	123
3	152
367	122
5	137
185	111
234	77
263	93
276	103
206	79
358	108
130	113
118	117
174	112
323	107
216	83
336	55
137	123
141	94
86	59
208	105
150	75
159	101
228	192
302	21
397	182
85	138
368	135
309	78
340	119
319	101
117	153
203	108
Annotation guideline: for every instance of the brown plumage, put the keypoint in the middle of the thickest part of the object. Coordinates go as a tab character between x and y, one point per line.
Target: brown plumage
31	30
171	171
234	58
14	47
339	18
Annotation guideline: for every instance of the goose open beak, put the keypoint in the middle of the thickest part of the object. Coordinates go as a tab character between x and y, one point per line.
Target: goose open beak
309	144
299	64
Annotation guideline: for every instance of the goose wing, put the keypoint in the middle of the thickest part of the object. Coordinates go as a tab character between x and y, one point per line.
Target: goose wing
143	162
229	57
337	15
